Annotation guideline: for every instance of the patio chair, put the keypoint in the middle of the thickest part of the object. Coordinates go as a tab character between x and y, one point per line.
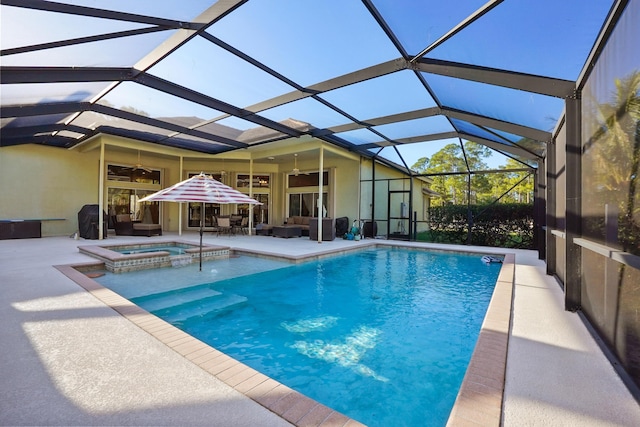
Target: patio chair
224	226
123	225
243	225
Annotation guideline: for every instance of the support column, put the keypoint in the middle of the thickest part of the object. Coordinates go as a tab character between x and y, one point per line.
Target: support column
572	286
320	188
101	194
251	195
552	177
180	206
539	207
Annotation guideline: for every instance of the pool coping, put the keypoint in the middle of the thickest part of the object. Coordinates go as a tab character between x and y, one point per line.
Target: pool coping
479	401
117	262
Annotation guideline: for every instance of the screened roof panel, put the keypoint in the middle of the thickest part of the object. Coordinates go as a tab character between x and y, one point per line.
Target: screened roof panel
391	154
281	35
236	123
40	120
308	110
426	22
506	135
471	129
92	120
195	143
409	128
204	67
154	103
411	153
118	52
386	95
359	136
26	27
187	11
542	37
240	72
509	105
48	93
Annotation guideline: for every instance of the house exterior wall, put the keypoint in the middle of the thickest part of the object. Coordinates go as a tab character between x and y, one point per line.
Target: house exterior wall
46	182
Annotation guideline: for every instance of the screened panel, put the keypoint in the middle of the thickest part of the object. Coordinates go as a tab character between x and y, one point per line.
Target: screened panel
611	201
509	105
563	33
409	128
150	102
49	93
119	52
471	129
417	24
391	154
359	136
413	153
282	38
24	27
395	93
307	110
202	66
165	8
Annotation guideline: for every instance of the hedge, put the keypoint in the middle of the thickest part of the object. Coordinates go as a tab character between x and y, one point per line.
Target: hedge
498	225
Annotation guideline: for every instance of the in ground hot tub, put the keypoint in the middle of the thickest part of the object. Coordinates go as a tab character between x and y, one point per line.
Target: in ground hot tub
121	258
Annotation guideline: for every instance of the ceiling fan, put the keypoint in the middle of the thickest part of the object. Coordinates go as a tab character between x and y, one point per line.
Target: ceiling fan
139	166
296	171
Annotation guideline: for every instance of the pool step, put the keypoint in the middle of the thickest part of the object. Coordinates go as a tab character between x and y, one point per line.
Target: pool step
183	312
169	299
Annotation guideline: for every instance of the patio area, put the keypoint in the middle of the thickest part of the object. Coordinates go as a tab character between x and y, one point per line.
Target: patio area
68	359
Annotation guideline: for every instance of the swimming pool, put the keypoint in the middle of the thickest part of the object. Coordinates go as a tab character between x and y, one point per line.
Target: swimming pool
375	320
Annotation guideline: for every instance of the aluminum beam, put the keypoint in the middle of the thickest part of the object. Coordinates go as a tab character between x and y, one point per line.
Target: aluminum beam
526	82
513	128
98	13
17	75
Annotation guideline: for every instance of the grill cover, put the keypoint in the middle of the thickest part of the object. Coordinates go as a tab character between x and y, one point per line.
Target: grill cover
88	222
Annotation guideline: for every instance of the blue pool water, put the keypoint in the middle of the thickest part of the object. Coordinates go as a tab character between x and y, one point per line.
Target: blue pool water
383	336
173	250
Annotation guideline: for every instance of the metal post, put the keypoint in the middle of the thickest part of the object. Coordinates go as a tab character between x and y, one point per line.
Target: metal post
320	189
539	210
552	177
572	286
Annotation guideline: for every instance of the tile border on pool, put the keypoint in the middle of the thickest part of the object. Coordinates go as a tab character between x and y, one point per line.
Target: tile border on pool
117	262
479	401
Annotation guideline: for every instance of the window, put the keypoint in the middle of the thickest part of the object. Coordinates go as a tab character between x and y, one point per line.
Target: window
140	174
308	179
259	181
305	204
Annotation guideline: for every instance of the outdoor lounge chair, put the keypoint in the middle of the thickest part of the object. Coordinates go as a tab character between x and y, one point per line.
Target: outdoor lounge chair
123	225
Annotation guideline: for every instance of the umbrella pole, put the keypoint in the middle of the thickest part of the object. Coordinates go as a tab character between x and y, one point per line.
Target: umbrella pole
201	225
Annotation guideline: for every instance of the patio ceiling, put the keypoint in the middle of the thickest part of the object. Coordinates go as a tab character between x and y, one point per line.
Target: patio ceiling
385	78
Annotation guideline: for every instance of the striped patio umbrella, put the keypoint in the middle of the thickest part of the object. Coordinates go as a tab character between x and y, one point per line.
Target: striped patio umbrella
204	189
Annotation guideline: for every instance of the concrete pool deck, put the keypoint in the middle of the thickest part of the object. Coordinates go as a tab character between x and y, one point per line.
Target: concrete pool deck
68	359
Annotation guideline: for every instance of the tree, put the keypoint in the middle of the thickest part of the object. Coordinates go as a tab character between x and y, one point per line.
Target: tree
456	161
501	183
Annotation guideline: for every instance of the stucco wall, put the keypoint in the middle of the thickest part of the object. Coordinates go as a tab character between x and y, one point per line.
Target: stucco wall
46	182
42	182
